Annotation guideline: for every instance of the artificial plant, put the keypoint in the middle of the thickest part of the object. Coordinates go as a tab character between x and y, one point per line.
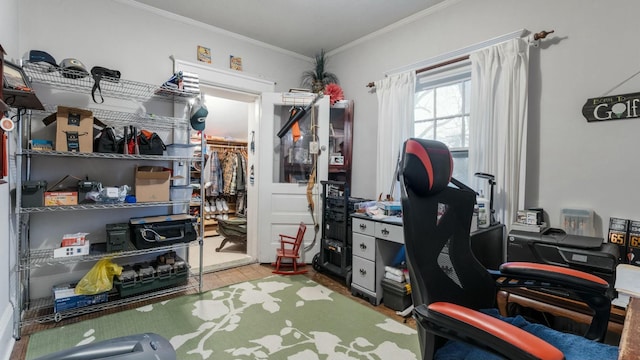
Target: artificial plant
318	78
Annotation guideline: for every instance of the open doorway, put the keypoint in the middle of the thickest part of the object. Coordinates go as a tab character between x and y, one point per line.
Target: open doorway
225	197
247	89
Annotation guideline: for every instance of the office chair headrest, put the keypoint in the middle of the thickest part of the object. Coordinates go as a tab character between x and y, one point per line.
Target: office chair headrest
426	166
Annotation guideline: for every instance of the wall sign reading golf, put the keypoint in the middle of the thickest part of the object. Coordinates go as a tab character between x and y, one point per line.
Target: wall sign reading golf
614	107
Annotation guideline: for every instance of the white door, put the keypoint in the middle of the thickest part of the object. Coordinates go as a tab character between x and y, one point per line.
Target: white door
286	166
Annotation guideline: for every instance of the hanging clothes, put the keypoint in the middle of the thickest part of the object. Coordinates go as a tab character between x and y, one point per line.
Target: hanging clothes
215	175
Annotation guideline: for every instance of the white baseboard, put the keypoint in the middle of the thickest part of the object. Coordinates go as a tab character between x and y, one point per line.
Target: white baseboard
6	333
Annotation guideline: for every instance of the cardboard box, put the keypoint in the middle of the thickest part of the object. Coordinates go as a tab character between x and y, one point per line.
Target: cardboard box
65	298
59	198
152	183
63	192
73	250
74	129
618	235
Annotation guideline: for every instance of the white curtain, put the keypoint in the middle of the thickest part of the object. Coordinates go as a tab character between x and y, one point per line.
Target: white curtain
498	124
396	95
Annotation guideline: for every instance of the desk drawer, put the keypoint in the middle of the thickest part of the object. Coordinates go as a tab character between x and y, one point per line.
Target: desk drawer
364	246
361	226
389	232
364	273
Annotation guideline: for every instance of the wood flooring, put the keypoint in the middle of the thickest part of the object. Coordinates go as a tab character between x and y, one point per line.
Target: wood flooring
211	281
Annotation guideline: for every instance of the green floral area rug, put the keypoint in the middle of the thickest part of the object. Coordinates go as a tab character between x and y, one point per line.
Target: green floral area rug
277	317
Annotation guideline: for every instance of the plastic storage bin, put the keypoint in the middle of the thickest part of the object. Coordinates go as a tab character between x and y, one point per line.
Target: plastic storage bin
395	295
180	193
577	222
181	150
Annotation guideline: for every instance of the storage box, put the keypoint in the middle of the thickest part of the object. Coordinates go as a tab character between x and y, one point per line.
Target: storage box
74	129
618	235
577	222
529	217
117	236
63	192
633	237
181	150
66	299
59	198
149	232
396	295
33	193
74	250
152	183
181	193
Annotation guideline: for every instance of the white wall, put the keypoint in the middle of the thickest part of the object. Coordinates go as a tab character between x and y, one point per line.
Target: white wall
124	36
9	41
571	163
139	43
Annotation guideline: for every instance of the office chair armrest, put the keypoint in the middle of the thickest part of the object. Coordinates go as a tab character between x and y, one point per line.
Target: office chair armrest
569	278
593	290
484	331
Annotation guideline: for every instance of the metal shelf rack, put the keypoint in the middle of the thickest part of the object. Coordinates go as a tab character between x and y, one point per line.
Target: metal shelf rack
82	82
39	310
44	257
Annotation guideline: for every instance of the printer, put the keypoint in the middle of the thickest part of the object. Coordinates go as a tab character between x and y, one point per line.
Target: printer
556	247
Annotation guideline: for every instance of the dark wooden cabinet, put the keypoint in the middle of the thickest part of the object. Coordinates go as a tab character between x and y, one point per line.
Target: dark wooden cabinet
341	141
296	161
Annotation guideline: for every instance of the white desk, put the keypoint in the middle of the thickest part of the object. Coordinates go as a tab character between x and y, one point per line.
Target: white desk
376	243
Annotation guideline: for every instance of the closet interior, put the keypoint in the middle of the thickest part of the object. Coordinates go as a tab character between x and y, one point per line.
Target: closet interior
225	176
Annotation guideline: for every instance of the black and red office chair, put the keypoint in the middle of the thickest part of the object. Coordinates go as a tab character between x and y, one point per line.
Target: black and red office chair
449	285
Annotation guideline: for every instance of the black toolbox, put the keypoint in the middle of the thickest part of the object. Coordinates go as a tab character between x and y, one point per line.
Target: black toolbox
396	295
149	232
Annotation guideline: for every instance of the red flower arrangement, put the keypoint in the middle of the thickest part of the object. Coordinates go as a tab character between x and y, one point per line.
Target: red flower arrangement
335	93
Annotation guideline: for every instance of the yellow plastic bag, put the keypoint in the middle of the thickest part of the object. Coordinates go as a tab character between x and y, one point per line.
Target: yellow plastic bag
99	279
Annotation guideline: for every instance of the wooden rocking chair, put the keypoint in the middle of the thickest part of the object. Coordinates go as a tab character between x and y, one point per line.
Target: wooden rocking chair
290	249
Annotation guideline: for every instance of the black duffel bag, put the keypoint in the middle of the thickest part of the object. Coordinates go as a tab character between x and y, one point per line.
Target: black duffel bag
150	143
106	141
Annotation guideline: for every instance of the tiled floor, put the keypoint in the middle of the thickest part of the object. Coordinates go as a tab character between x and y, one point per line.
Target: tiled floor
213	280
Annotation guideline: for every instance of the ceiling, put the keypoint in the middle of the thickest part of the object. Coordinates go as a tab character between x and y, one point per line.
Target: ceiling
300	26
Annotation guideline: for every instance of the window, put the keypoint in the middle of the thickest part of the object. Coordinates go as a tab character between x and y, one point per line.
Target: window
442	111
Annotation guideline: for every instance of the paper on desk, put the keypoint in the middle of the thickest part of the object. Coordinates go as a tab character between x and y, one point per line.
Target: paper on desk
627	278
627	284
